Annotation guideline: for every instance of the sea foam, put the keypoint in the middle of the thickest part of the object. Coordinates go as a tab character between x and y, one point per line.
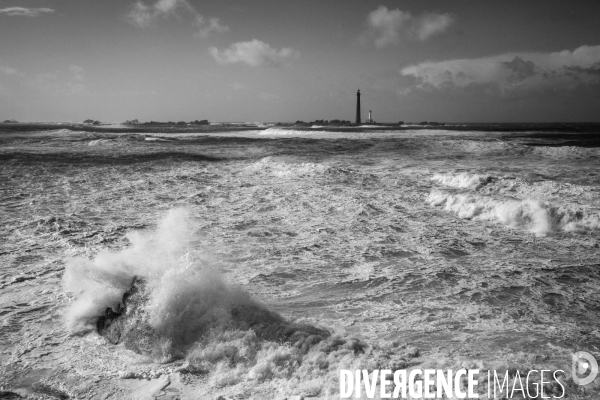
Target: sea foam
533	215
189	306
462	180
287	170
288	132
186	289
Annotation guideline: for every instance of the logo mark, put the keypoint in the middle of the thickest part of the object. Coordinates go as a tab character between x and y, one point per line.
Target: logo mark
585	368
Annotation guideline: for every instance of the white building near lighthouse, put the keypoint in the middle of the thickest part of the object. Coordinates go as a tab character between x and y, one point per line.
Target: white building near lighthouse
370	120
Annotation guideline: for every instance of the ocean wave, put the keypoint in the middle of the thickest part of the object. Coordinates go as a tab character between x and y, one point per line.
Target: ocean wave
565	152
185	289
289	170
462	180
288	132
476	146
166	295
185	310
64	130
541	188
237	357
535	216
121	157
106	142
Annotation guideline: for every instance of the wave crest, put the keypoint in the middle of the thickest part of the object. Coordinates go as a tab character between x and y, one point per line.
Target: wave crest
289	132
462	180
535	216
183	285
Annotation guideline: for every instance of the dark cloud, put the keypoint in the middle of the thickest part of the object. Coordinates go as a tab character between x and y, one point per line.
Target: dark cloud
521	69
594	70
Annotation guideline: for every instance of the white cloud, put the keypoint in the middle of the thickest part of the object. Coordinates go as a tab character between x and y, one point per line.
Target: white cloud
140	15
206	27
388	27
25	12
254	53
431	24
170	6
143	15
385	25
512	74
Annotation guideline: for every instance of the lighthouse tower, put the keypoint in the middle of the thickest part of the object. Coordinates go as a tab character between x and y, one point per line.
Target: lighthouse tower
358	121
370	120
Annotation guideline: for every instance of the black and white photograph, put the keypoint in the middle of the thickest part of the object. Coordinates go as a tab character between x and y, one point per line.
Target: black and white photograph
299	200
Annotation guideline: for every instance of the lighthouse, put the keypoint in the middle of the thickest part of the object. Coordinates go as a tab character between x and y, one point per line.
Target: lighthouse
370	120
358	122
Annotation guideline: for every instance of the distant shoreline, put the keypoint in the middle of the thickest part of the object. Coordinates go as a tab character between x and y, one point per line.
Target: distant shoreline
529	128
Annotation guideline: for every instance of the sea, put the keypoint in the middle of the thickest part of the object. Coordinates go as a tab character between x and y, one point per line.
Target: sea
470	246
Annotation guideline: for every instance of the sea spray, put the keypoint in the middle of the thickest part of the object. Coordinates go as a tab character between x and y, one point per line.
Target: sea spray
182	308
301	243
231	358
165	296
184	285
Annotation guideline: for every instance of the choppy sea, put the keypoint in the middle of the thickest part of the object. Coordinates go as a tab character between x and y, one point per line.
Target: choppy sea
437	248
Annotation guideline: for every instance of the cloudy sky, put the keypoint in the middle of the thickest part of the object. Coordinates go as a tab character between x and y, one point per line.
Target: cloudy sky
222	60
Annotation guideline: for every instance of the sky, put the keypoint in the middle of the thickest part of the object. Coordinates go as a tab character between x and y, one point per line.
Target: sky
282	61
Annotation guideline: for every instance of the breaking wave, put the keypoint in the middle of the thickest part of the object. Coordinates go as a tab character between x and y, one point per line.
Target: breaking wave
189	307
462	180
535	216
163	257
288	132
475	146
106	142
